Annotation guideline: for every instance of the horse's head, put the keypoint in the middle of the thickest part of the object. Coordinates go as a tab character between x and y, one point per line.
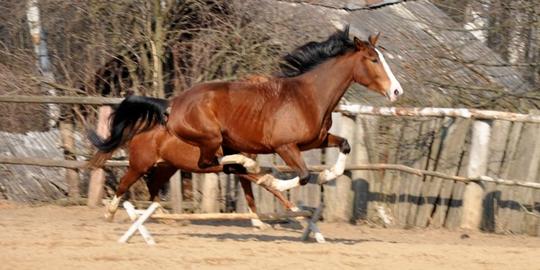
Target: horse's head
372	71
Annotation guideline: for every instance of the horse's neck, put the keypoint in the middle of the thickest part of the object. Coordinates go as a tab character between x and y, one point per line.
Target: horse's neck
329	81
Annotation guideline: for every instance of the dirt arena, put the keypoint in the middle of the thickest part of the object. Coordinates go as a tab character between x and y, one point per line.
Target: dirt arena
54	237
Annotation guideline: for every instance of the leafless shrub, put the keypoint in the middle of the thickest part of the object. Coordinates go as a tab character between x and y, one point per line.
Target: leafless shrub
233	48
19	117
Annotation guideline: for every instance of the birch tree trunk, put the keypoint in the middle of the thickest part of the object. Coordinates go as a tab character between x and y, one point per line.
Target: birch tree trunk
45	69
156	45
43	63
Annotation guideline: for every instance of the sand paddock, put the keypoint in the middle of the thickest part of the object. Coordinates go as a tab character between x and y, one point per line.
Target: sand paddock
55	237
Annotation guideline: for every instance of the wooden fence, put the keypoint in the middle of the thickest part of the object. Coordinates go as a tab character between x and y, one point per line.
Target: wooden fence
469	143
452	166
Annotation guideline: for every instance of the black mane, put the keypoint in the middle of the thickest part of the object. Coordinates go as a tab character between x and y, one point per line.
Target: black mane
307	56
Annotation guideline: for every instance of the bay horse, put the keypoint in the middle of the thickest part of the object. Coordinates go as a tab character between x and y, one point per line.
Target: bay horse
287	114
284	115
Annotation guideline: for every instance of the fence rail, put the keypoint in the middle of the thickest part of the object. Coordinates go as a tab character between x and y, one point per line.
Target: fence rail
347	108
60	100
76	164
439	112
69	164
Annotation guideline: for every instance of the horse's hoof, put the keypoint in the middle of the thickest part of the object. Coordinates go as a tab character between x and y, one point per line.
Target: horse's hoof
258	224
305	180
109	216
234	169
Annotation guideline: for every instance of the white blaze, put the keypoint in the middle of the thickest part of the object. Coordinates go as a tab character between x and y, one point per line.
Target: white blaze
391	93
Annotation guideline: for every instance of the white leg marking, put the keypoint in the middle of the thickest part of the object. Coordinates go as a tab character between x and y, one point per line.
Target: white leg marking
251	165
257	223
278	184
111	208
335	171
283	185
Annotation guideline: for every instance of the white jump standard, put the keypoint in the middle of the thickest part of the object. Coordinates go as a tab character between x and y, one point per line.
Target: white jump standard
140	216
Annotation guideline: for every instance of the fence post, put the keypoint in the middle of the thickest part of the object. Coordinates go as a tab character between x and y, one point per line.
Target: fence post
210	190
68	145
338	195
498	141
361	179
175	184
523	163
264	200
472	197
97	176
445	154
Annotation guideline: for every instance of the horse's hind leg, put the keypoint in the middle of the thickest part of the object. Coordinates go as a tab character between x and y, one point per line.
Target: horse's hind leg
161	174
284	201
156	180
250	199
127	181
204	132
269	183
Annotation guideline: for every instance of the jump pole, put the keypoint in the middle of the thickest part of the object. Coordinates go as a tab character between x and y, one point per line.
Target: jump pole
140	216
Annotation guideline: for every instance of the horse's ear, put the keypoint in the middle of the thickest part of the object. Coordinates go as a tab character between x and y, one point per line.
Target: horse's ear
373	39
360	44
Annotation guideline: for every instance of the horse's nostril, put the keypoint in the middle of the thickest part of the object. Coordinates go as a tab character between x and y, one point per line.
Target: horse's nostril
396	92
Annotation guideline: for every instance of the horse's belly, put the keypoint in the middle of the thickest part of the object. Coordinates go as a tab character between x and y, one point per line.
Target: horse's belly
246	144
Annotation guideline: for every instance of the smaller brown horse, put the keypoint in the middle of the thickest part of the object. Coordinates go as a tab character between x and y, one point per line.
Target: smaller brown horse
287	114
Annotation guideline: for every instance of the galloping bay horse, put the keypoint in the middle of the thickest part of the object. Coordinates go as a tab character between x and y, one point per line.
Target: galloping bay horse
283	115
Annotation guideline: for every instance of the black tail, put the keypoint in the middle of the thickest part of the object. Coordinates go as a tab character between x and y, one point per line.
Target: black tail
134	115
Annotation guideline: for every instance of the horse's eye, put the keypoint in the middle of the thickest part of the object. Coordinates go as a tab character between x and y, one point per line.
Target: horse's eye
375	60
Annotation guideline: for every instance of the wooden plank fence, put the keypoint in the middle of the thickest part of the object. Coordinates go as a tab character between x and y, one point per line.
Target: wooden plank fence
458	168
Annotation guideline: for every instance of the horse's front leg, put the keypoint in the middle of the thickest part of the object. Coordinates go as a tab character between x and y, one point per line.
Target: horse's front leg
332	140
209	150
291	155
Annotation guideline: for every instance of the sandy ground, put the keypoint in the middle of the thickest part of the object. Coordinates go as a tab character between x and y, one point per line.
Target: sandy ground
54	237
